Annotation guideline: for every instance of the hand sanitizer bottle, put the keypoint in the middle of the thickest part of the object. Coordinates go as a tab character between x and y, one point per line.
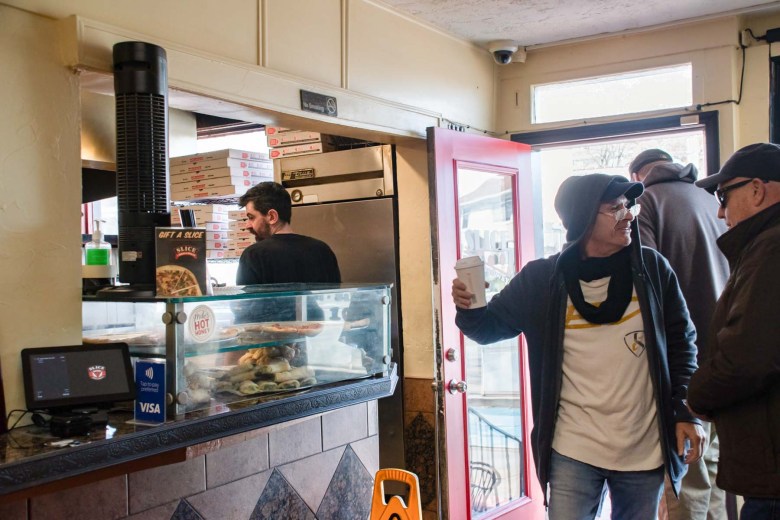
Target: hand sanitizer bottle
97	252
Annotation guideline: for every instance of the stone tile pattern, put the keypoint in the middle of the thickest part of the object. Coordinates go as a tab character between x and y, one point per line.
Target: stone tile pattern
349	494
279	500
420	439
185	511
244	480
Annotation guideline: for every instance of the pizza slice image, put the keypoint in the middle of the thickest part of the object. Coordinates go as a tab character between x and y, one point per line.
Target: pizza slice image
175	280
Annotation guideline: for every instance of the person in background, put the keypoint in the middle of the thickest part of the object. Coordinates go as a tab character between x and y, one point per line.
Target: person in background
679	221
611	350
738	381
280	255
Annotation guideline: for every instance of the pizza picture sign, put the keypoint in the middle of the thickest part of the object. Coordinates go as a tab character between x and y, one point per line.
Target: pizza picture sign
181	262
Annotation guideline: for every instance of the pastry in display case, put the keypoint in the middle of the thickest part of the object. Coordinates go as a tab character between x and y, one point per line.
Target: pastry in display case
252	341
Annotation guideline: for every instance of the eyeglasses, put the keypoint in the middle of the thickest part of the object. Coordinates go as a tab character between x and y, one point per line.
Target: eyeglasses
720	194
621	213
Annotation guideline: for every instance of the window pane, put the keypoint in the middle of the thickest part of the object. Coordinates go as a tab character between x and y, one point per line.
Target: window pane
606	156
641	91
494	402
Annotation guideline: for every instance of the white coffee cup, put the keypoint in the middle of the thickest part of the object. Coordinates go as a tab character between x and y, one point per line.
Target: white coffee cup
471	271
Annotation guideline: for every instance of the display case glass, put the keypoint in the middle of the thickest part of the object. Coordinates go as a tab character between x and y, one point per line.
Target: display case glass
250	341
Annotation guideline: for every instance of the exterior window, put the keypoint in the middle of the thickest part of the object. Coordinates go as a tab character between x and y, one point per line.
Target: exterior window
633	92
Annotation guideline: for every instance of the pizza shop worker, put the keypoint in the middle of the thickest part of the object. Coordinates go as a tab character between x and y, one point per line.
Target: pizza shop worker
280	255
611	350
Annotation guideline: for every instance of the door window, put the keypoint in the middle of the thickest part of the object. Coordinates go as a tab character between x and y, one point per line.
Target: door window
493	401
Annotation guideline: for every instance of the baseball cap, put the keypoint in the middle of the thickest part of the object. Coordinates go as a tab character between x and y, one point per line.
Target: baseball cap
759	160
621	186
646	157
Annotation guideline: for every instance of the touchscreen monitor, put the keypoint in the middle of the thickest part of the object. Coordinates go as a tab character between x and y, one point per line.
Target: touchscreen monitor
61	378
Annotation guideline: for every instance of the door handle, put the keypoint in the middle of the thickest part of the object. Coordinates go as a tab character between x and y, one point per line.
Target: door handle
457	386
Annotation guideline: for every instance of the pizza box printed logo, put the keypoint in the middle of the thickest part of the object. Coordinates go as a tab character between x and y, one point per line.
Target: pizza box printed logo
97	372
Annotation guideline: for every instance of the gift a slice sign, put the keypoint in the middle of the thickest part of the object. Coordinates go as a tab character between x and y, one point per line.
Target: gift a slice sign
202	323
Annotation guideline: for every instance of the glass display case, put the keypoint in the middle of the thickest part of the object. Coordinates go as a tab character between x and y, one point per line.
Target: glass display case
245	342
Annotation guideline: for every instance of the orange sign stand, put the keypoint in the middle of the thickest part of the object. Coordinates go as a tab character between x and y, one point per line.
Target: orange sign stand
396	508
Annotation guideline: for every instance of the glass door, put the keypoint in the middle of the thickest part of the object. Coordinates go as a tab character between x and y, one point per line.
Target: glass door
482	207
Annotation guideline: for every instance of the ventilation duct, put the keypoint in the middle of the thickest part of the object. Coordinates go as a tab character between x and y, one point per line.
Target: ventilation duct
141	91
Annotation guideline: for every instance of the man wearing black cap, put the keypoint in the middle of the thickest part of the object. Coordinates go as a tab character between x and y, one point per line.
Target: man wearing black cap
610	349
738	382
679	221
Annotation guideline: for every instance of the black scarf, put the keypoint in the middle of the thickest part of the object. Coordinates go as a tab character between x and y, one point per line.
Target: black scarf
621	286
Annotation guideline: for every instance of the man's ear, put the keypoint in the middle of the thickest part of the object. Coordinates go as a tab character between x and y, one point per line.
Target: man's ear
759	193
272	216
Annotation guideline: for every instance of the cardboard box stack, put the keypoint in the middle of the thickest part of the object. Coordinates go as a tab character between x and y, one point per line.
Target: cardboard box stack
238	238
225	173
214	219
286	142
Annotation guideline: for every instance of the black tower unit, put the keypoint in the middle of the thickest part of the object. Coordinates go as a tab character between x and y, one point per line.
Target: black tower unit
141	88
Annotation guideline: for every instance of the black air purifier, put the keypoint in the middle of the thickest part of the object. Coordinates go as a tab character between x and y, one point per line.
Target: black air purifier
141	88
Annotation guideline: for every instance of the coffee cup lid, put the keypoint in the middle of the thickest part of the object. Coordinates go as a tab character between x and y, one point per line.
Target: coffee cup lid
469	261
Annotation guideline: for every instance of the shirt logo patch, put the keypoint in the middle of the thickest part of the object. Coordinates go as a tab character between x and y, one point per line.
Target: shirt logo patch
635	342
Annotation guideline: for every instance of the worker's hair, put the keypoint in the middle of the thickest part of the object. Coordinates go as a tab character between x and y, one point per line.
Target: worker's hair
267	196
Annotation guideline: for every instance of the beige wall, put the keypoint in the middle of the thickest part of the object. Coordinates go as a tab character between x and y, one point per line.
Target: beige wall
354	46
415	253
40	195
754	109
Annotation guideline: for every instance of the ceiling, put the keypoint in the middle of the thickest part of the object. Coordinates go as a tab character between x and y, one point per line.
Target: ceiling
543	22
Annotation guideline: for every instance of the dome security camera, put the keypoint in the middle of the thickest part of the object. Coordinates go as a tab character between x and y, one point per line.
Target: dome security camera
502	51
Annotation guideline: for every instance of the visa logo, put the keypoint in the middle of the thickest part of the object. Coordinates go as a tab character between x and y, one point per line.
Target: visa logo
150	407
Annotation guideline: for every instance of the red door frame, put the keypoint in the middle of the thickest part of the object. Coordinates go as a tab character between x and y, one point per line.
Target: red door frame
447	151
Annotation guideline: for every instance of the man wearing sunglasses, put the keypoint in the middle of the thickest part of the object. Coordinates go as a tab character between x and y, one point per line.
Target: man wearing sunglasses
738	383
679	221
610	349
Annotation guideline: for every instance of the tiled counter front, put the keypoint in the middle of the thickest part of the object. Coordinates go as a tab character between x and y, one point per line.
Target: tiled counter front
321	467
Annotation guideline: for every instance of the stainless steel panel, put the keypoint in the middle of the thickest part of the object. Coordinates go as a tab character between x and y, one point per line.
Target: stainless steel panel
362	235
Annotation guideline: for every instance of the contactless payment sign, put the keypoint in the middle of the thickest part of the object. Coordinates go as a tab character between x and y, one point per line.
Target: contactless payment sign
150	391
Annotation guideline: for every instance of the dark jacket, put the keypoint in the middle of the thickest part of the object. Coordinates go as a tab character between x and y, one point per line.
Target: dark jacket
680	221
534	303
738	383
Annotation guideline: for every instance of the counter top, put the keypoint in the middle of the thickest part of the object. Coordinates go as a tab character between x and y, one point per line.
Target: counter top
27	458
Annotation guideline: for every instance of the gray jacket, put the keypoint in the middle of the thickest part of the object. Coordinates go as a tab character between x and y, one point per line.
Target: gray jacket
680	221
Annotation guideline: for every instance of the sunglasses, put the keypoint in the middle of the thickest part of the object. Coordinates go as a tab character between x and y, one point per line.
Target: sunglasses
621	213
720	193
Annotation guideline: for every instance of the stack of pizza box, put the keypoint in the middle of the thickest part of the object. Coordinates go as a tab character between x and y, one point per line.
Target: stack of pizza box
238	238
214	218
286	142
221	174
